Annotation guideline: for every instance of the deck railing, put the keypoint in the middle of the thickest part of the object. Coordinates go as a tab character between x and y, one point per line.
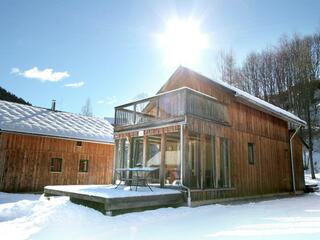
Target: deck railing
170	106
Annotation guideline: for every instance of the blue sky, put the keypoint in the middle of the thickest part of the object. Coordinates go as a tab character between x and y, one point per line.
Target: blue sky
109	48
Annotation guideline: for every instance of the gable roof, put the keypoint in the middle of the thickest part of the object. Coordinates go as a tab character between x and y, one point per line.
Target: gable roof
15	117
241	95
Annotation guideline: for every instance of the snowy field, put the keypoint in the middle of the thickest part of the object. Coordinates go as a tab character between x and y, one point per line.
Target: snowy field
26	216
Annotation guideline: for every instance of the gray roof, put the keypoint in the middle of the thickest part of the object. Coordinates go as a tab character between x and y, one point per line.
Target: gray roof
15	117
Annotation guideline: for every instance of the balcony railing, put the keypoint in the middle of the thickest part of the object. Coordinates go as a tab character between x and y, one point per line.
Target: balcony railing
170	107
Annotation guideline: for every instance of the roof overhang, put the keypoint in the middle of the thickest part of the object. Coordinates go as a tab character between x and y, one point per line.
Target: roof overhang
262	108
56	136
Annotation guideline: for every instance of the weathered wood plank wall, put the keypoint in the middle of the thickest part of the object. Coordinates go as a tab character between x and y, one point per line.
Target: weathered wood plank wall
272	171
25	162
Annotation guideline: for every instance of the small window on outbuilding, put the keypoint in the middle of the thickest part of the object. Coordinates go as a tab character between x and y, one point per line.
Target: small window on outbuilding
56	165
251	155
83	165
79	143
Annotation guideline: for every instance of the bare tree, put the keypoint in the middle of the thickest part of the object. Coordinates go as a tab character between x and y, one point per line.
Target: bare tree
87	108
286	75
250	71
228	71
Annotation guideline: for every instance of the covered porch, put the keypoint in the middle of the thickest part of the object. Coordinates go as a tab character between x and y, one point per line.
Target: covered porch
178	132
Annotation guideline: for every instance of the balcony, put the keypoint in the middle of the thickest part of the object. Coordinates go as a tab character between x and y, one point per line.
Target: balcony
169	107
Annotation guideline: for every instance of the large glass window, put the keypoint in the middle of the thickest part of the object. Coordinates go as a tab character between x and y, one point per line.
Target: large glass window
172	159
209	163
154	156
122	153
224	176
204	167
154	152
137	152
194	174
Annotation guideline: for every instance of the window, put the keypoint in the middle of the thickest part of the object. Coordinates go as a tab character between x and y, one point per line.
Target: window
83	165
122	146
79	143
154	156
251	157
56	165
172	158
193	164
137	152
209	168
154	152
224	178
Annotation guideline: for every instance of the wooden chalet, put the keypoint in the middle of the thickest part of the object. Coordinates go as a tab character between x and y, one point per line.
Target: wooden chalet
210	139
40	147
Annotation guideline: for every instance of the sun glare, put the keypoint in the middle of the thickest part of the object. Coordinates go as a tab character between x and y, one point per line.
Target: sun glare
182	42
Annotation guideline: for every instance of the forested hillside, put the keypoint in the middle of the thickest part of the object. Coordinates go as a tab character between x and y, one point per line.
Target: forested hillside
7	96
286	75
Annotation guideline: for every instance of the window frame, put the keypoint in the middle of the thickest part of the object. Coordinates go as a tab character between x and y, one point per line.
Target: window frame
52	165
224	180
87	165
251	153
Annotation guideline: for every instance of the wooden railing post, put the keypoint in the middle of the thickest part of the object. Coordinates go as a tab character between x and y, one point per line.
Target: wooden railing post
134	113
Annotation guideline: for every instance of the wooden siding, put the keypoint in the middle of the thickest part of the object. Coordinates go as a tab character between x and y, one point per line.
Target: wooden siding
25	162
271	172
184	78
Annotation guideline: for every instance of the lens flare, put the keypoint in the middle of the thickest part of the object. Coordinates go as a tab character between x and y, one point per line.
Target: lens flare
182	42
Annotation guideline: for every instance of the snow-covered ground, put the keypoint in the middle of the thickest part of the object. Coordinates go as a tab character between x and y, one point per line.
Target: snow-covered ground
36	217
308	179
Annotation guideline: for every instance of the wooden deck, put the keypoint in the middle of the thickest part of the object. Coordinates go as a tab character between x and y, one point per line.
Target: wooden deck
114	205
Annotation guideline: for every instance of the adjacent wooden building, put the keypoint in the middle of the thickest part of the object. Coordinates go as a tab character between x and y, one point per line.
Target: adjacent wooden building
40	147
211	139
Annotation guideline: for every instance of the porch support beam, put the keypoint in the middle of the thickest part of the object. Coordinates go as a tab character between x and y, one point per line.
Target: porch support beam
145	151
130	160
186	158
115	160
162	159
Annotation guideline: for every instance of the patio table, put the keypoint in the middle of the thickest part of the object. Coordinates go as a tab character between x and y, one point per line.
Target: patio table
139	176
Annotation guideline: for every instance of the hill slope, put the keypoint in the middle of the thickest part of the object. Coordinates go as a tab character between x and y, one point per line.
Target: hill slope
7	96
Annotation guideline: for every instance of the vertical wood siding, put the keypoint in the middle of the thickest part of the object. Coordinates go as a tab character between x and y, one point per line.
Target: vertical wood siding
271	172
25	162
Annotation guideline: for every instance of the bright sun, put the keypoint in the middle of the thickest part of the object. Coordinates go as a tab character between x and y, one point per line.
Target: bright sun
182	42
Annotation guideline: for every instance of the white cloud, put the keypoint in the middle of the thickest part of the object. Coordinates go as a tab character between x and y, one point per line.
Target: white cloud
43	75
108	100
15	70
75	84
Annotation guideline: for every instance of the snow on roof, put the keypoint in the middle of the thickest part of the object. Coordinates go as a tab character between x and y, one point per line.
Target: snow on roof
257	101
21	118
263	104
